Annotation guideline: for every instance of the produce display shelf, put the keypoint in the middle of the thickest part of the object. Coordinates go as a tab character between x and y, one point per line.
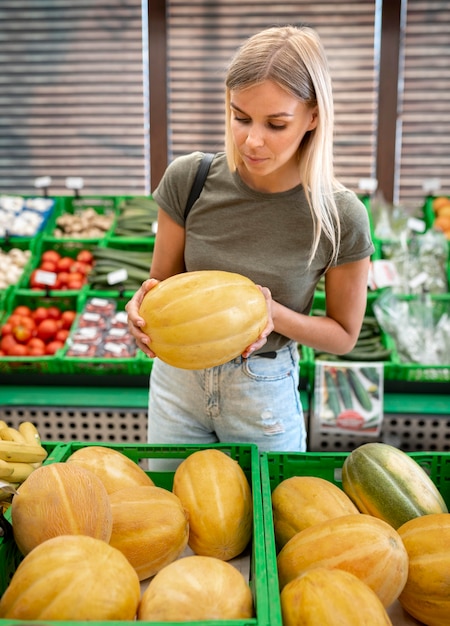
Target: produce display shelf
108	396
246	455
276	467
137	396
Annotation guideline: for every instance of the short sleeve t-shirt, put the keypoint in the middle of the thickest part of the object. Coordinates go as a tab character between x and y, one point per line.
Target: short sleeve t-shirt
264	236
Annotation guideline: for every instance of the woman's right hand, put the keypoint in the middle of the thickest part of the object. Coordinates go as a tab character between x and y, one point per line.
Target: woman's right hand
135	321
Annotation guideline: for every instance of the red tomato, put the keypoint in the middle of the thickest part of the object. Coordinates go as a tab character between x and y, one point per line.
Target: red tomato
63	278
28	322
62	335
50	255
35	351
21	333
76	276
6	329
18	350
48	266
39	314
75	285
80	268
47	330
36	344
85	256
68	318
53	313
53	347
22	309
14	319
7	342
64	264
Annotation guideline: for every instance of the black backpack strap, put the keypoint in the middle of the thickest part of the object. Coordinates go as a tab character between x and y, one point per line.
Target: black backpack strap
199	181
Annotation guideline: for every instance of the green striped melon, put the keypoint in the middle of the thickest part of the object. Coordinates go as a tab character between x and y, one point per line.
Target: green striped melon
387	483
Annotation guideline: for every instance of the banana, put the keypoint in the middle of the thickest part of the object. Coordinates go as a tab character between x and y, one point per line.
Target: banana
11	434
3	424
6	469
20	471
30	433
7	490
21	452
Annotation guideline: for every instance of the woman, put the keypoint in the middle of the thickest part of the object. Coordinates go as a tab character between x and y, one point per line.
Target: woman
271	210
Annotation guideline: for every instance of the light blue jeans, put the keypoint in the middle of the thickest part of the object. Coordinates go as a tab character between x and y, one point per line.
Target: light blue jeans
254	400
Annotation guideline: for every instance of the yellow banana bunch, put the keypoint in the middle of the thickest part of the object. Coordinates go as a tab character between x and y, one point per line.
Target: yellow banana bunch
20	452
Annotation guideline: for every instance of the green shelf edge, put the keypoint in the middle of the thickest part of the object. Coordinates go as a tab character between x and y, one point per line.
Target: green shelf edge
137	397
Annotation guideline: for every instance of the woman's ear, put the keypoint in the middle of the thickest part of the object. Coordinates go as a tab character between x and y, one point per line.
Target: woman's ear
314	119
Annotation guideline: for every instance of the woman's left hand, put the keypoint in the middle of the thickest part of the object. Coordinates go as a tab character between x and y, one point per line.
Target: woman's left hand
262	339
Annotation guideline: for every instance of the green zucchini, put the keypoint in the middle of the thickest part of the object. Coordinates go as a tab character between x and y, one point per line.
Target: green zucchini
333	398
344	389
359	389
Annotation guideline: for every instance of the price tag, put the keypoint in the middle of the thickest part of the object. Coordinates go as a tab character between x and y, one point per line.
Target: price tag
368	184
431	186
384	274
416	225
118	276
46	278
42	182
74	182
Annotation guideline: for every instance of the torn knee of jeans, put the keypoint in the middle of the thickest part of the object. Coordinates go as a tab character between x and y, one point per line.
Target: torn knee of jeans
270	424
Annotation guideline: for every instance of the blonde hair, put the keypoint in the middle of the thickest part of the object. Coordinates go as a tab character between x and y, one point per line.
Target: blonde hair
294	59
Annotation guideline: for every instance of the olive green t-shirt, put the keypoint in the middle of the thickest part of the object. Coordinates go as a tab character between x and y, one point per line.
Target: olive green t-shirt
264	236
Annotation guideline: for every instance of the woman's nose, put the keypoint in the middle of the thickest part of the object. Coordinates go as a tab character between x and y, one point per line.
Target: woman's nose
255	137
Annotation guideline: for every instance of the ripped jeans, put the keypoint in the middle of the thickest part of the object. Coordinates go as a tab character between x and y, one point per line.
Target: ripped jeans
254	400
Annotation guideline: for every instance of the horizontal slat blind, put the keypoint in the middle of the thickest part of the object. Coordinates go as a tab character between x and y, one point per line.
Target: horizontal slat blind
425	112
204	35
71	95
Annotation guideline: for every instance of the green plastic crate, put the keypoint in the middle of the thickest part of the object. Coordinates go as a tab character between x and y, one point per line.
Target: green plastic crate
99	365
27	205
125	202
65	247
103	205
278	466
9	554
247	458
420	372
35	364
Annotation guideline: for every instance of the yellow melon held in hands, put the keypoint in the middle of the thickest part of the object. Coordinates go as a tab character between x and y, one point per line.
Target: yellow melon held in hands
201	319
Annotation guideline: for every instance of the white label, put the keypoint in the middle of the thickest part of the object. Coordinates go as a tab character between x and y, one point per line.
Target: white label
384	274
418	280
42	181
368	184
99	302
74	182
118	276
46	278
91	317
431	185
115	348
416	225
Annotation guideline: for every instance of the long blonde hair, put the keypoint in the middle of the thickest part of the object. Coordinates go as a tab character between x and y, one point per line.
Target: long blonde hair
294	58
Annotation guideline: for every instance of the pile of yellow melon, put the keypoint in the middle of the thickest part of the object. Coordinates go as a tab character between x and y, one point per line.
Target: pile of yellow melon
92	528
346	555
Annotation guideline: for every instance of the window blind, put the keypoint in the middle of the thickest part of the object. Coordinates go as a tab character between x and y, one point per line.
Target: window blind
202	37
72	101
425	108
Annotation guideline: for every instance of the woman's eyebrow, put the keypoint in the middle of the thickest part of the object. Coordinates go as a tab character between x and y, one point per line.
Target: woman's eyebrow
281	114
